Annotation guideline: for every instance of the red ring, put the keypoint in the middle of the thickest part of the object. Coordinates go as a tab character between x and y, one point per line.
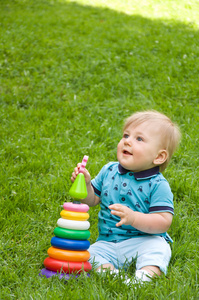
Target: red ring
66	266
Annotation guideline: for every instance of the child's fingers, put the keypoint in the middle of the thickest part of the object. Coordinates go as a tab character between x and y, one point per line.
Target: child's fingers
117	213
73	177
87	175
76	172
77	169
117	207
119	223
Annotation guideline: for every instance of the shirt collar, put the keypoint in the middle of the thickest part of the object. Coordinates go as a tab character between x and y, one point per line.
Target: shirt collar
139	175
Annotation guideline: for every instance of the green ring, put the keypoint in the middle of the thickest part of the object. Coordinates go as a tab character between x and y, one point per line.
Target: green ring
71	233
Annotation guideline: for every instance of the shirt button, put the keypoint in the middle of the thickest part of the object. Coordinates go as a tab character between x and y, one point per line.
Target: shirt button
124	184
123	199
130	174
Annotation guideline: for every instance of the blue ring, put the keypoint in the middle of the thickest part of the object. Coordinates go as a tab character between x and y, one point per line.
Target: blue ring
70	244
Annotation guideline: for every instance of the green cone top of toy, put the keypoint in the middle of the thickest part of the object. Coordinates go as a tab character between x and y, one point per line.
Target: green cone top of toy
78	189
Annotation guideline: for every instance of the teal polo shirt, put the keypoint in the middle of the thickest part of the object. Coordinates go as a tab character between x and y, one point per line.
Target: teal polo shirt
146	191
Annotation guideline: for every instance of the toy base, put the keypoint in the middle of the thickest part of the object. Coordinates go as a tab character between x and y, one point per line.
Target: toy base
48	274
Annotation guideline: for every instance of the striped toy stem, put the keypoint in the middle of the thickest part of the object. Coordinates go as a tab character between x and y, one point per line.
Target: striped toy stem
83	164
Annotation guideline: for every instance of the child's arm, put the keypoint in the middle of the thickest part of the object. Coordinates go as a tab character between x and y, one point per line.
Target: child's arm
91	199
150	223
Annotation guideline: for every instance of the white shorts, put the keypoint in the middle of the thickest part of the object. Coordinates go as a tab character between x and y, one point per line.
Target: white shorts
148	251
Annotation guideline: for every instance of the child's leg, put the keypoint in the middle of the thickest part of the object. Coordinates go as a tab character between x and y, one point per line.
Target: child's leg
103	255
153	258
152	270
146	273
106	266
154	255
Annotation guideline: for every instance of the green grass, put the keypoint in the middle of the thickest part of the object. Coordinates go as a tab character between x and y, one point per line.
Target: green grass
71	72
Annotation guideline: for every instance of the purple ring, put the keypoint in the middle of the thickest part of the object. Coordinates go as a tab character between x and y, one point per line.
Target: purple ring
49	273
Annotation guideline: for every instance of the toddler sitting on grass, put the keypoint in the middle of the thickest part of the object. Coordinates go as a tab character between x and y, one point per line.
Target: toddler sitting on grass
135	199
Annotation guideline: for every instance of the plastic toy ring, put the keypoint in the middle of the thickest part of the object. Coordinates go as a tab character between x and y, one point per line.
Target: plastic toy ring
73	215
68	255
67	244
48	273
66	266
71	224
76	207
71	234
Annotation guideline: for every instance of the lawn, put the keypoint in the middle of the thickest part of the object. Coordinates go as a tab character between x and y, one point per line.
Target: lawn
71	72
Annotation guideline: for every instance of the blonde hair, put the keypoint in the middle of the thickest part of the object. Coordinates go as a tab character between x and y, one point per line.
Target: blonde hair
169	132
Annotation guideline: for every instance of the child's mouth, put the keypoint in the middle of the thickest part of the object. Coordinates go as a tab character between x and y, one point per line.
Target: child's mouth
126	152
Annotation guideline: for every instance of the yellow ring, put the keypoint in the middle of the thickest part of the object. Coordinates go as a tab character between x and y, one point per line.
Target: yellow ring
73	215
68	255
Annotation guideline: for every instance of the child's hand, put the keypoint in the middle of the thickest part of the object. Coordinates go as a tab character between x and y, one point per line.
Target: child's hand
149	223
126	214
85	172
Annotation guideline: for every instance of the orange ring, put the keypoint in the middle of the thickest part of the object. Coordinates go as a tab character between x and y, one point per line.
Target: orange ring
68	255
72	215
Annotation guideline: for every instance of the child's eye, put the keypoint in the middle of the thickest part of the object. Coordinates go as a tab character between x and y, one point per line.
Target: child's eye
139	139
125	135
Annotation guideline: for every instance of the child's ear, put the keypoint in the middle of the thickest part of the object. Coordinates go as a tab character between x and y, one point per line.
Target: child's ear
161	157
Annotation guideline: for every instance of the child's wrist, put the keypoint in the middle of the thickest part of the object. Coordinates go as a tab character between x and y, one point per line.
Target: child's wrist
134	218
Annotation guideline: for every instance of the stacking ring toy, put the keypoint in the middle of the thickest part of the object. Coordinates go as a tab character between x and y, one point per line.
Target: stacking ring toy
73	215
49	273
66	266
76	207
71	224
67	244
71	234
68	255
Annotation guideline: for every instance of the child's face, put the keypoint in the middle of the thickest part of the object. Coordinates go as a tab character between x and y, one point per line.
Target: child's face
139	147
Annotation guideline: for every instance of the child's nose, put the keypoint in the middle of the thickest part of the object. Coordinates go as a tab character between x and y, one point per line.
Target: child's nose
128	141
